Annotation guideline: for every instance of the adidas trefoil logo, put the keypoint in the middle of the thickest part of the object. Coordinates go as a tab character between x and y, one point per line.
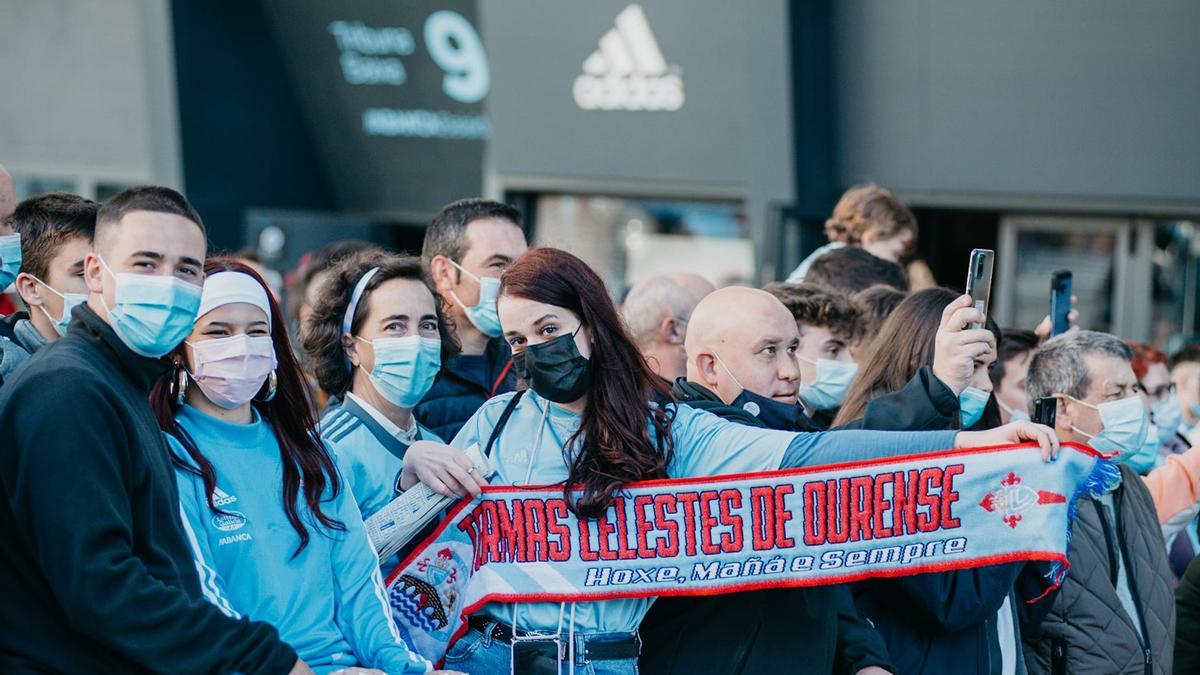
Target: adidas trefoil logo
628	71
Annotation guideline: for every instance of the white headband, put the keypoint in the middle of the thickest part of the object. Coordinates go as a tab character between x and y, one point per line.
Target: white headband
227	288
355	296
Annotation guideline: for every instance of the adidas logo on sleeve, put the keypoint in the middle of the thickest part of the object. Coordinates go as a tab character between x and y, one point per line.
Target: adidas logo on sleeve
628	71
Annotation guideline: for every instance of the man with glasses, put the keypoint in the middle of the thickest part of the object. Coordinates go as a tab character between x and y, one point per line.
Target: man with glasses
1115	611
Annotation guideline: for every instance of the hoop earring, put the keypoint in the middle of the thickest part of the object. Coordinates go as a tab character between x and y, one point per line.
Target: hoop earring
272	381
179	385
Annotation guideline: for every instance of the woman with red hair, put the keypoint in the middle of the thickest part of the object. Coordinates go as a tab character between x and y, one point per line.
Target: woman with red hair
595	419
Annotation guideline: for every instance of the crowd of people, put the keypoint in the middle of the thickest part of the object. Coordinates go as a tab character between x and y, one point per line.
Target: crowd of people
187	461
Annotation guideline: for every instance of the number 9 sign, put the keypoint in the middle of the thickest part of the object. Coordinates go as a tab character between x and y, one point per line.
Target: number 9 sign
455	46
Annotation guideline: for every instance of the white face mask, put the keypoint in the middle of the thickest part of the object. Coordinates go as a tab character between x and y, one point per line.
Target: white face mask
70	302
231	370
1014	415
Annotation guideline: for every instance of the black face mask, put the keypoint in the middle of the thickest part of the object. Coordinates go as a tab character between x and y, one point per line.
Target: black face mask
555	369
773	414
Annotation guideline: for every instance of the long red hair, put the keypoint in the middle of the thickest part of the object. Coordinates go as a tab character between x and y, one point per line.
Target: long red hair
625	433
307	465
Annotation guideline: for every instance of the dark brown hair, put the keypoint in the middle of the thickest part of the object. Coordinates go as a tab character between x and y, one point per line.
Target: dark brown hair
153	198
48	221
850	269
321	335
307	465
616	444
820	307
905	343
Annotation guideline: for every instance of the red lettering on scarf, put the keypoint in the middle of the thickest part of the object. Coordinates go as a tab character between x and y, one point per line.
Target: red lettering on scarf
668	546
930	480
731	542
707	522
556	512
535	524
814	514
688	500
949	496
882	504
762	517
510	529
624	552
642	525
782	515
860	508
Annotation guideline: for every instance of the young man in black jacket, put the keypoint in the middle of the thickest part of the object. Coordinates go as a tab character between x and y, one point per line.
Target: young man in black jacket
96	570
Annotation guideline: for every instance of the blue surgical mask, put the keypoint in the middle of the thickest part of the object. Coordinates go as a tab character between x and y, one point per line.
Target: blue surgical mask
483	315
1168	416
152	313
1146	458
1125	425
405	367
10	259
971	403
833	380
70	302
1014	414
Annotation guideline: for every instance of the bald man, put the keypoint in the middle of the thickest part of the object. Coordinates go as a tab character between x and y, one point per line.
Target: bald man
741	365
657	310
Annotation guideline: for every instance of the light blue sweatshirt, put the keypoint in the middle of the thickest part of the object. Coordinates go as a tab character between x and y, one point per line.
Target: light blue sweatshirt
328	602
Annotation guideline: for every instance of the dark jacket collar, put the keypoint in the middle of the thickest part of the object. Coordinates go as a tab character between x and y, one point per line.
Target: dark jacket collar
702	398
142	371
497	355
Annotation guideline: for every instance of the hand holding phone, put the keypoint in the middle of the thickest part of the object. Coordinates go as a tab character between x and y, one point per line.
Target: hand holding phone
979	281
1060	302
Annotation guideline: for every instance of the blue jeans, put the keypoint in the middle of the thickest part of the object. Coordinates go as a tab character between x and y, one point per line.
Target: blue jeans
479	655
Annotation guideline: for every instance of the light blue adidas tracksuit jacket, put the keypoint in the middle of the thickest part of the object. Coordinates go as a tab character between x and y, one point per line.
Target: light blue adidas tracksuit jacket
369	456
327	601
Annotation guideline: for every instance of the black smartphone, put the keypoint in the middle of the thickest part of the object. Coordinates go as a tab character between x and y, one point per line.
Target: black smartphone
1044	410
979	280
1060	302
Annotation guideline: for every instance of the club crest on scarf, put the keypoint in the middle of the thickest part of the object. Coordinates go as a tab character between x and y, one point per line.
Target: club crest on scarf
427	595
1012	498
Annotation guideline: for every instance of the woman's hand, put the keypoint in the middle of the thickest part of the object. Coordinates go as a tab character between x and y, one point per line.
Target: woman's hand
446	470
956	347
1013	432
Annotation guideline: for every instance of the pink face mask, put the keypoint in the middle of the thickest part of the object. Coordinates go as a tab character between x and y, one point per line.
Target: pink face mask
231	370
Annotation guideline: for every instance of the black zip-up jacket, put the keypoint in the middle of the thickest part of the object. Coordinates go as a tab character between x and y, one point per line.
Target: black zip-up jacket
96	573
466	381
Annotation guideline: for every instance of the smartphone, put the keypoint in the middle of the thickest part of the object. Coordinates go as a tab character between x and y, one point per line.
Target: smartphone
1060	302
1044	410
979	280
